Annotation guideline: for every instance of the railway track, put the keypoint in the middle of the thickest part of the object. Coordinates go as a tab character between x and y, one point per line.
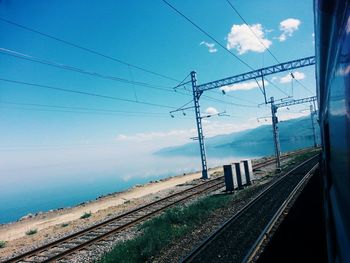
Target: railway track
242	235
65	247
265	236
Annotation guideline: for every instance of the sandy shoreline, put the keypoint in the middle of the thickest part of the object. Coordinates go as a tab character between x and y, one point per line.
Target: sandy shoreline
15	230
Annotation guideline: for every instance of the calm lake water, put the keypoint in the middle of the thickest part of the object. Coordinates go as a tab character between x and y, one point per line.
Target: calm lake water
42	188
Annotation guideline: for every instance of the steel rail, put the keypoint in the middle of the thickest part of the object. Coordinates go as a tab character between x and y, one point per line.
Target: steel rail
127	225
104	223
222	228
253	253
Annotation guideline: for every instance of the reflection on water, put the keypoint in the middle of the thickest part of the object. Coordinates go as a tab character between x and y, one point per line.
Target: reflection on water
42	189
48	187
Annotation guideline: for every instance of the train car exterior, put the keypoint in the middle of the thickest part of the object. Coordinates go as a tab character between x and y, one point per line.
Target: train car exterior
332	43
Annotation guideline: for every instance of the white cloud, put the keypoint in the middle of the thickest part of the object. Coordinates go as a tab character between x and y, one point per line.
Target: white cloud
178	137
142	137
243	86
211	46
218	127
273	79
283	116
211	111
288	26
243	40
288	78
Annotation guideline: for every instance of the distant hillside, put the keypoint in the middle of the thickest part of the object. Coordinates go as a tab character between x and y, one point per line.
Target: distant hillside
294	134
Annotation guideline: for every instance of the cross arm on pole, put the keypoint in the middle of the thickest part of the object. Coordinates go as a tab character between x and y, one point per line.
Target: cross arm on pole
295	102
256	74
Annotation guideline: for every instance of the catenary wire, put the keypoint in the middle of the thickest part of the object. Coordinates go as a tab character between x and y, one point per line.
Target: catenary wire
66	67
301	84
138	83
207	34
245	22
86	49
76	69
85	93
113	58
228	103
211	37
81	112
80	108
270	52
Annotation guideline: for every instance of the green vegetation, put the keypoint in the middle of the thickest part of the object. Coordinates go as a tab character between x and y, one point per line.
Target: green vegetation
304	156
64	224
160	231
31	232
85	215
301	157
2	243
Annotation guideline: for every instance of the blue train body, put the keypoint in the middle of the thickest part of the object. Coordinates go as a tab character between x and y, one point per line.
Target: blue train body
332	32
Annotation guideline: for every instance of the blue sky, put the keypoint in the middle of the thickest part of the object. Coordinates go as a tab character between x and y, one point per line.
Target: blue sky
150	35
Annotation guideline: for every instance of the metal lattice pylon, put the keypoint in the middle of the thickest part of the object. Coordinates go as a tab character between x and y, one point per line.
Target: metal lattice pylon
196	96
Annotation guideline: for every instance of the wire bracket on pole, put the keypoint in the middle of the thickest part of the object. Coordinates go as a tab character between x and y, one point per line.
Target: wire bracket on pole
262	87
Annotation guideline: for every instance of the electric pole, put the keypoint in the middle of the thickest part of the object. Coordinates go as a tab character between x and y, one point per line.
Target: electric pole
275	133
251	75
312	113
196	95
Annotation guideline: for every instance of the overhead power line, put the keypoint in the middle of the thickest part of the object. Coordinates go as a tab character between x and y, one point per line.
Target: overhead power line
228	103
251	30
81	108
301	84
240	98
55	64
94	74
268	50
85	93
82	112
76	69
216	41
274	85
219	92
86	49
207	34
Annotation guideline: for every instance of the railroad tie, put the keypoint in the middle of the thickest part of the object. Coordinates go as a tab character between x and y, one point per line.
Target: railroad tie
35	259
